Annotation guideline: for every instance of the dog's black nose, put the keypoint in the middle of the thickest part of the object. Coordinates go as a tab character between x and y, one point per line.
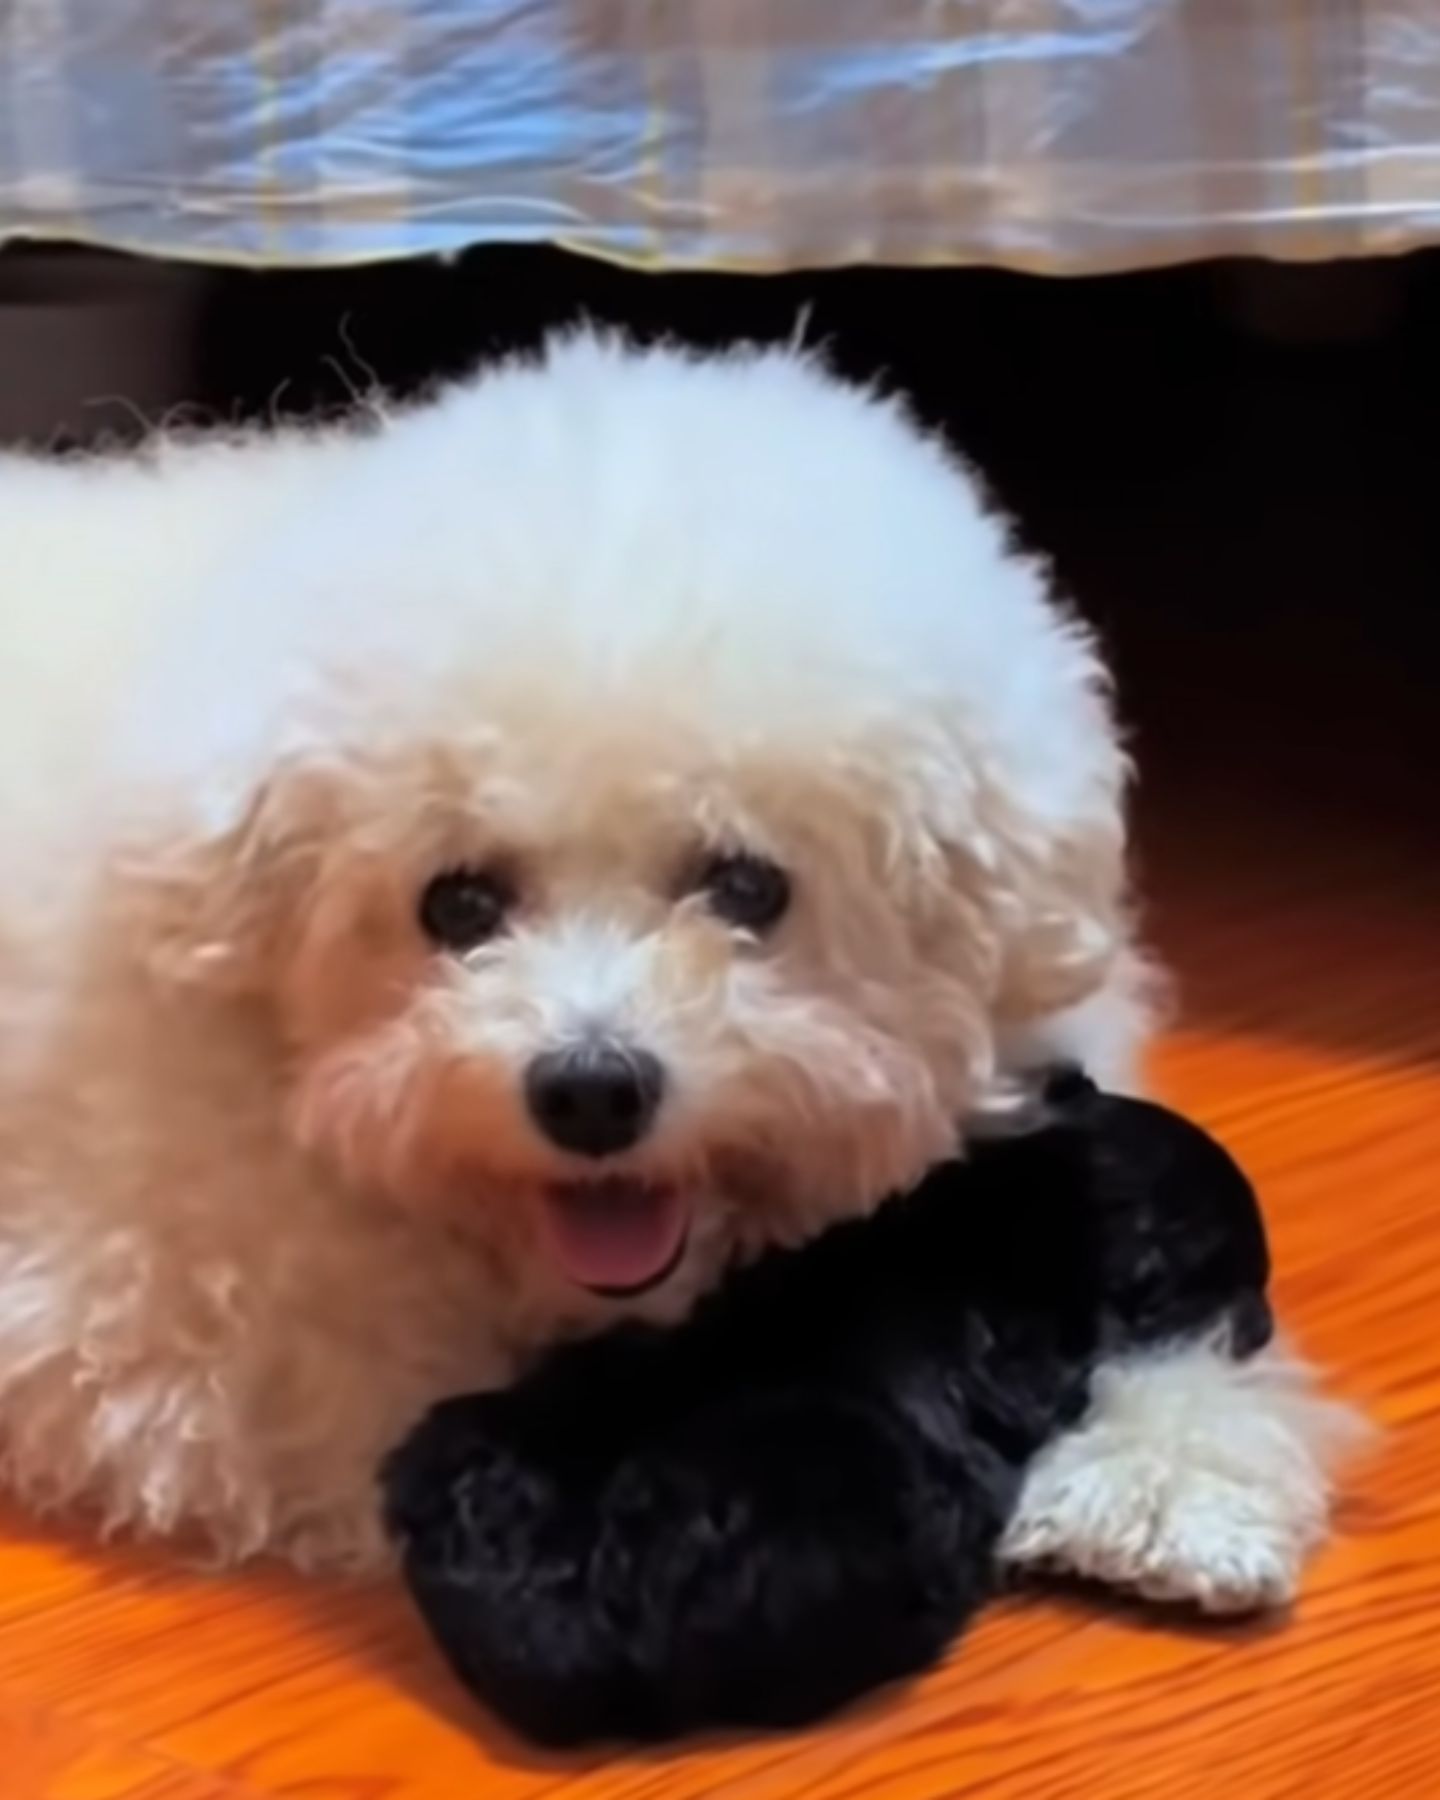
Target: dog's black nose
594	1100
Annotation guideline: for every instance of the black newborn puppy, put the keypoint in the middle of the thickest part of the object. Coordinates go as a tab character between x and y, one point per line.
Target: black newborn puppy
797	1495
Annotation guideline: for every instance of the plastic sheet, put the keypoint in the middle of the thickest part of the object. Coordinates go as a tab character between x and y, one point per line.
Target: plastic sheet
1057	135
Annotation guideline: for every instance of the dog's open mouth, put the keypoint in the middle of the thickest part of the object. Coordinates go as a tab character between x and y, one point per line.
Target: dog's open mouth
617	1235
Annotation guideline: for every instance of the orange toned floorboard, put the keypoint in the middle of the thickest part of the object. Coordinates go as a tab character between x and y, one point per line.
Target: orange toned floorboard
1305	928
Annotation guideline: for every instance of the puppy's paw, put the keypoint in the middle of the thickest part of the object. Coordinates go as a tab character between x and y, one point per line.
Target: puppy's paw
1128	1515
1216	1548
345	1540
1197	1478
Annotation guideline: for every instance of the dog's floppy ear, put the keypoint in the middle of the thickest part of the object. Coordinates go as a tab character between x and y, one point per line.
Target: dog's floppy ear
1045	886
1059	905
215	906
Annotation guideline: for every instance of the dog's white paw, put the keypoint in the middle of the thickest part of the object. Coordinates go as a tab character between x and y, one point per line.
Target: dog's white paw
1132	1516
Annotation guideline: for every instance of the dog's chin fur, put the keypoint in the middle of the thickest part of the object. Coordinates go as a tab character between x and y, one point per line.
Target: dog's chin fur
267	1183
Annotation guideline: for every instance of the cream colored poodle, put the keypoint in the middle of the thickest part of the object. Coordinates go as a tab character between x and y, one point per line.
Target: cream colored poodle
470	875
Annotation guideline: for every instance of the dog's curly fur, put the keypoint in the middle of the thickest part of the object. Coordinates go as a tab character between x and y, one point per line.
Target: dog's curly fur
799	1494
268	1187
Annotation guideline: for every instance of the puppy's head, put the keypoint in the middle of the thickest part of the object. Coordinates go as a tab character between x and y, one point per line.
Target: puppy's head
678	913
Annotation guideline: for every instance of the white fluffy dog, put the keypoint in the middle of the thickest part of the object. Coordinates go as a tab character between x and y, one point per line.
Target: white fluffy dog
470	876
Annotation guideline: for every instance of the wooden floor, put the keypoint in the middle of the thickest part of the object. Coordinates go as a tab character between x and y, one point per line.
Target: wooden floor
1299	899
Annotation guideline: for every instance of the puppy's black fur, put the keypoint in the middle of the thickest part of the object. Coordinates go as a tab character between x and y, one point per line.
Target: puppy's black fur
797	1495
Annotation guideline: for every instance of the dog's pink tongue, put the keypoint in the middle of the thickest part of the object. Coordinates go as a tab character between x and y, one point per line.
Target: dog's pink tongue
616	1234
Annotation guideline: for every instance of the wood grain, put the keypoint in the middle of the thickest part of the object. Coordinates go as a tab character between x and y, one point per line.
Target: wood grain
1305	938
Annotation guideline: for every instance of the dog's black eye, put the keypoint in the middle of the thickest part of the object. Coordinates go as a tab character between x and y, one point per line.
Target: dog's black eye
464	907
745	890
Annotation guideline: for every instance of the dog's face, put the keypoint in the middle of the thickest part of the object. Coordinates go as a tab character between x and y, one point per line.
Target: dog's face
618	994
612	994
